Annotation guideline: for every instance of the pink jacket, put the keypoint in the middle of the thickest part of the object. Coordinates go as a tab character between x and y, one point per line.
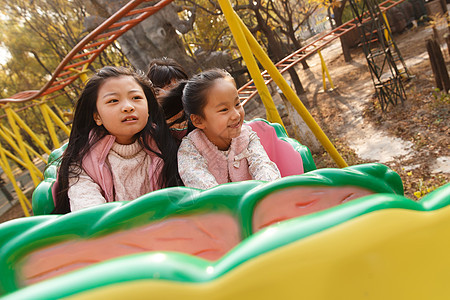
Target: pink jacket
231	169
94	164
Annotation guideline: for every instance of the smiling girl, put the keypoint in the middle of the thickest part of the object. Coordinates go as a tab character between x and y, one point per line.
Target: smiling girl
120	146
221	148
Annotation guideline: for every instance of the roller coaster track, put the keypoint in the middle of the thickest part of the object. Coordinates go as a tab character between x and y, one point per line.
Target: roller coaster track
86	51
248	90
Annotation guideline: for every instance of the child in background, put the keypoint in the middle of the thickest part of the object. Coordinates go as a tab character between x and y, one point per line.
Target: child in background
221	149
120	146
165	73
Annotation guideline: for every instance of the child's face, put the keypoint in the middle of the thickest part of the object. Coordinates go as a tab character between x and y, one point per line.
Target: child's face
223	114
160	92
122	108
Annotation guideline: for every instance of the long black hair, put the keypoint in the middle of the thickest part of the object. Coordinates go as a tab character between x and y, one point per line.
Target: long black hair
190	95
162	71
85	133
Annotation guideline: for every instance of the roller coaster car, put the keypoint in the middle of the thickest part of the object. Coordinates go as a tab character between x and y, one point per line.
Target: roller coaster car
291	157
324	234
242	239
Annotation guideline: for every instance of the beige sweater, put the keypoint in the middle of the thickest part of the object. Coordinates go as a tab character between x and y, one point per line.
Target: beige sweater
129	167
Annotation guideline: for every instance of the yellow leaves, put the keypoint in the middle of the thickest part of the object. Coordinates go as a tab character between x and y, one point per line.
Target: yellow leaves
336	3
423	190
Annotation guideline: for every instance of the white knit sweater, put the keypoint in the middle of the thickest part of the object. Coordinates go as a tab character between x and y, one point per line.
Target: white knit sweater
129	166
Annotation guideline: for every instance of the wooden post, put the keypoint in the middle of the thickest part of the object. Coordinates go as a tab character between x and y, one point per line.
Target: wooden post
447	40
438	65
444	6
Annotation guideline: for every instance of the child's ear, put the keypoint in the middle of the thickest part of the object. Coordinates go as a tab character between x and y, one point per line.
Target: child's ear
97	119
197	121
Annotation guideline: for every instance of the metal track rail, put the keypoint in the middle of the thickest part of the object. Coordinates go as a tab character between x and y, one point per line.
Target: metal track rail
248	90
76	62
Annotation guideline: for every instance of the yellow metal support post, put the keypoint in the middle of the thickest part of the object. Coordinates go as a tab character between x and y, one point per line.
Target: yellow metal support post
48	122
9	138
24	203
15	158
82	73
60	112
49	115
271	110
325	71
291	96
28	130
58	120
387	29
20	162
23	153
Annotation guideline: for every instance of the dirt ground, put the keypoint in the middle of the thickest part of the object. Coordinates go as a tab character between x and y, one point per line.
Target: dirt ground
13	213
347	113
421	122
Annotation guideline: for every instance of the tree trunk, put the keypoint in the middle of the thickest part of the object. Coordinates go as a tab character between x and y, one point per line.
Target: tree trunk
297	45
275	49
338	10
296	81
155	37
